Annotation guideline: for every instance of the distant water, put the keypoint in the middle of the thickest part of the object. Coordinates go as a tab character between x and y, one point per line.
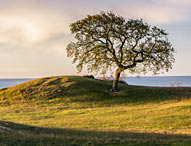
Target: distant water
163	81
11	82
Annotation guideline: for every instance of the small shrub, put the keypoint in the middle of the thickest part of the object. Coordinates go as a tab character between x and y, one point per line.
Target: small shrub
123	82
89	76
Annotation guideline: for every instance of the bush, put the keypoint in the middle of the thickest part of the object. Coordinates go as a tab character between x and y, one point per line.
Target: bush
123	82
89	76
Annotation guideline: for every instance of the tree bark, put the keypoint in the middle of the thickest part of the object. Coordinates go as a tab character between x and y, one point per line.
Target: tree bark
116	80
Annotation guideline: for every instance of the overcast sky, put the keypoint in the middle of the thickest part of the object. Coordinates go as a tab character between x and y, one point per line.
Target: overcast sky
34	33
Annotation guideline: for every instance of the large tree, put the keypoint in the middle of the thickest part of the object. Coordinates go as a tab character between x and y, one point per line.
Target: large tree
105	41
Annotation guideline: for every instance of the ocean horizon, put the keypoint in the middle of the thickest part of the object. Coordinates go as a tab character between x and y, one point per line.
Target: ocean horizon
156	81
160	81
12	82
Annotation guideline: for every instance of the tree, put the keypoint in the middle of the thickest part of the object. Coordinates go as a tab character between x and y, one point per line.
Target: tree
105	41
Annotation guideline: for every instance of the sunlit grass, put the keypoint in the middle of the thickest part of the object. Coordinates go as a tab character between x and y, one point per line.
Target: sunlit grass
162	117
87	104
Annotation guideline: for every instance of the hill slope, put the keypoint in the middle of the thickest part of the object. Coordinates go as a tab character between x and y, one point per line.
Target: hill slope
83	103
92	89
53	87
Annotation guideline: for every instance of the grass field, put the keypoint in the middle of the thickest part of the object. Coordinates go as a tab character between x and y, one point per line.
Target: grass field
18	134
81	111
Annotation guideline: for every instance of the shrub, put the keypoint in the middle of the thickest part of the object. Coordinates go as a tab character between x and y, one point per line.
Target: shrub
89	76
123	82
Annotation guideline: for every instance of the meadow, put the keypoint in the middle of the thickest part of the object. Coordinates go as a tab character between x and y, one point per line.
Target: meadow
72	110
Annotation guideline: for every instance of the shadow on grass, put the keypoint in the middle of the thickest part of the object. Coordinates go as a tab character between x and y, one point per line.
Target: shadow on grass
24	135
97	91
134	95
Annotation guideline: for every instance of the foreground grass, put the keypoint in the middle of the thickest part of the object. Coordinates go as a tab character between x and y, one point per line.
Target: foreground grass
17	134
86	104
171	117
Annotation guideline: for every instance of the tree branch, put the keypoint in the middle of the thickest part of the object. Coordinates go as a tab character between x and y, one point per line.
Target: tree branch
121	49
112	50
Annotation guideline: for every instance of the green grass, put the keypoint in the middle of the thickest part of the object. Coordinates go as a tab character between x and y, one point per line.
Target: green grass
136	113
18	134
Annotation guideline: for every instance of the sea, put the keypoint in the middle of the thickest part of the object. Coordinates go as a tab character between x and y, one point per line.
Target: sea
12	82
157	81
160	81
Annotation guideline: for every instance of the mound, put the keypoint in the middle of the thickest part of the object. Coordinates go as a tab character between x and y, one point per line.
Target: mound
54	87
87	90
82	103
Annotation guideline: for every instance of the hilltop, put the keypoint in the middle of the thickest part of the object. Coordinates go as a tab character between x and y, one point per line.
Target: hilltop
53	87
83	88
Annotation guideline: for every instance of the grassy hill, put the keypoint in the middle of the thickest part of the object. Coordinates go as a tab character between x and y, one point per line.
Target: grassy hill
78	103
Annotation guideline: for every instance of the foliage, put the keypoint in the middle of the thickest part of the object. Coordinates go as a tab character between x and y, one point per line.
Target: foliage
122	82
89	76
106	40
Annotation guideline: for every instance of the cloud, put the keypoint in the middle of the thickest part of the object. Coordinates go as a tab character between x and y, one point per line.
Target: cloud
34	33
38	25
159	12
22	29
157	15
177	2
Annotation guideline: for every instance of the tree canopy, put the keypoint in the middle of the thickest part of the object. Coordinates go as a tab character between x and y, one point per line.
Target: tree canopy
105	41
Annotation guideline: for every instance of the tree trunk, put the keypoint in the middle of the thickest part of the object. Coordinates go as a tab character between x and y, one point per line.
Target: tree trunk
116	80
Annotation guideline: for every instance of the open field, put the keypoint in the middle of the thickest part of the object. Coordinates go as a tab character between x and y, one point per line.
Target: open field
17	134
73	110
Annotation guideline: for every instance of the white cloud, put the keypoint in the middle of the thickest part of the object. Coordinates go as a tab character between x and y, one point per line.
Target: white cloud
24	25
24	30
33	27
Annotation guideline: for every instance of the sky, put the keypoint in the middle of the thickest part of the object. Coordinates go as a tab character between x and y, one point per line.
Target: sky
35	33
